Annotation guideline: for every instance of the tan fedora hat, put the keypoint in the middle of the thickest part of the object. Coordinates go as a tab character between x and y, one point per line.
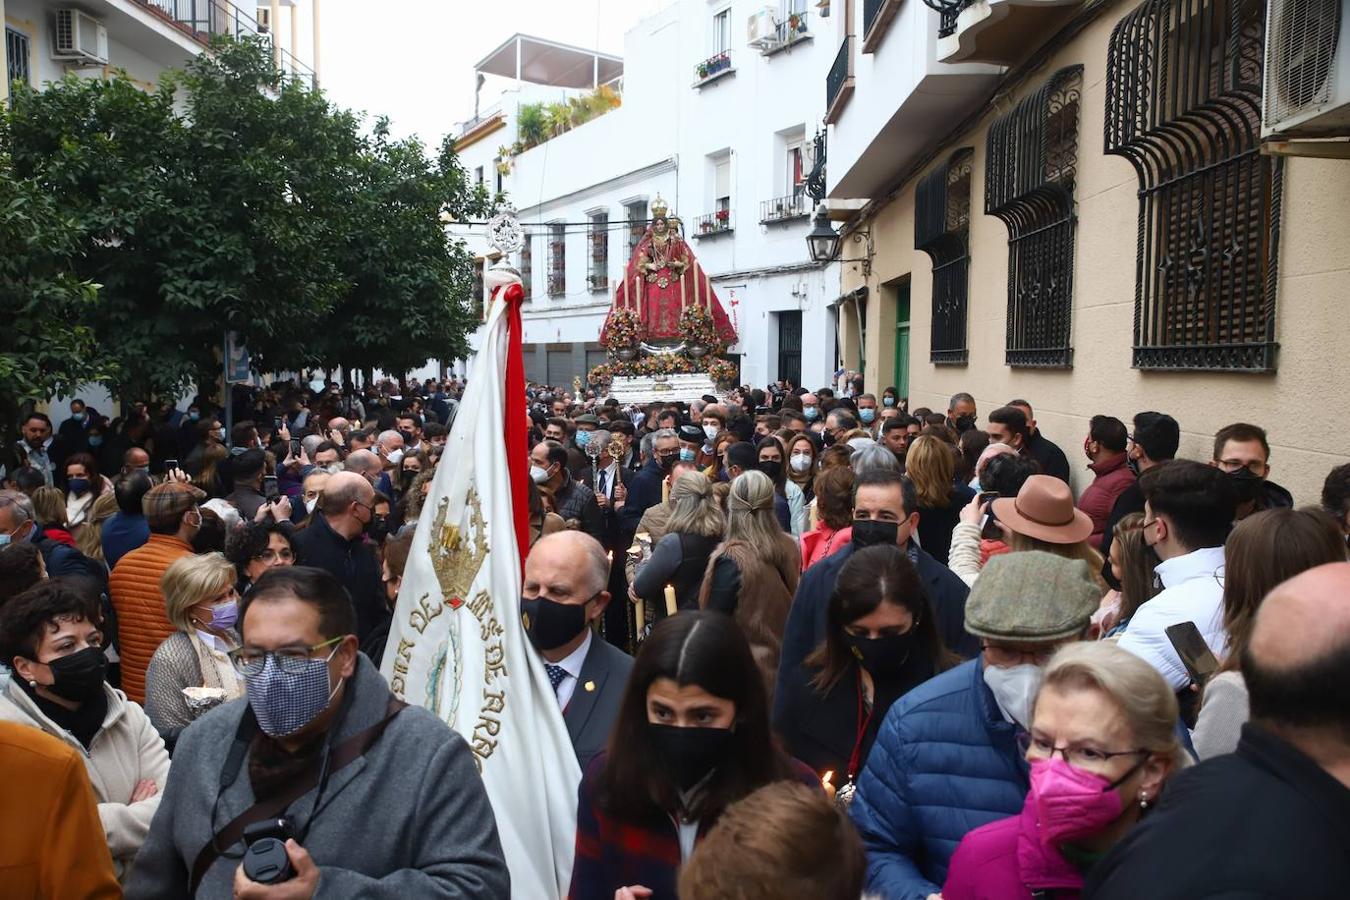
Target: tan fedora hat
1043	509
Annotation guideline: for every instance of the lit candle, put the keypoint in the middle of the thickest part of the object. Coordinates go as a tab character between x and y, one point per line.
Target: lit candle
671	605
826	784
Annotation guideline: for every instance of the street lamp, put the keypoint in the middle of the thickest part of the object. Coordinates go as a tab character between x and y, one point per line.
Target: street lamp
823	241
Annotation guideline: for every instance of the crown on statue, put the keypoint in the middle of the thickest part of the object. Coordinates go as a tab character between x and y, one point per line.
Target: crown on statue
659	208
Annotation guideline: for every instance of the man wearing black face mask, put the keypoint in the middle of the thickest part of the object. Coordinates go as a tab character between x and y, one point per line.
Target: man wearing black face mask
50	635
564	593
335	542
885	511
1243	453
1155	440
644	489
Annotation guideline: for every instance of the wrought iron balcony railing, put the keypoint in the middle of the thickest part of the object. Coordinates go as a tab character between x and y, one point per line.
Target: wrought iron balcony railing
796	205
713	223
791	30
948	10
206	19
839	77
714	66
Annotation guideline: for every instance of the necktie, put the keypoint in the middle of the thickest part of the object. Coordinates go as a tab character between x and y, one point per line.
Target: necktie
556	674
604	482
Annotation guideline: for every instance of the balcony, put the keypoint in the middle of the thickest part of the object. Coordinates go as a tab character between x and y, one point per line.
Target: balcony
713	224
905	98
792	30
839	82
877	16
203	20
997	31
780	210
713	69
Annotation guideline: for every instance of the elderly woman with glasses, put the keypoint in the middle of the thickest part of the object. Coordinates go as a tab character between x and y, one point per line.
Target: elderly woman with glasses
259	547
1102	746
191	671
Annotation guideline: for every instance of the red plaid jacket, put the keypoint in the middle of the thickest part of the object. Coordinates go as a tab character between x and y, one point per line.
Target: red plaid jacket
614	853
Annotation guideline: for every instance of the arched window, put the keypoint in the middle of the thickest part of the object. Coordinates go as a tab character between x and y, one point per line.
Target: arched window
1183	105
1032	169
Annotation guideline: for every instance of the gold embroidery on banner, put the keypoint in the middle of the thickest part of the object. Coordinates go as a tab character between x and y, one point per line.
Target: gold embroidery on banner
489	725
402	657
425	611
455	557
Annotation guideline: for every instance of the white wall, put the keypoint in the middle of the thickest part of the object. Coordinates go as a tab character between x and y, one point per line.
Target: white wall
665	132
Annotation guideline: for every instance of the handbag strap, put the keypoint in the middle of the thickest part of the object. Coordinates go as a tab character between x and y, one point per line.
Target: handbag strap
350	750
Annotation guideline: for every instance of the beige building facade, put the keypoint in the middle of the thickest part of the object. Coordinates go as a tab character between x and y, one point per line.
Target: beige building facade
1209	249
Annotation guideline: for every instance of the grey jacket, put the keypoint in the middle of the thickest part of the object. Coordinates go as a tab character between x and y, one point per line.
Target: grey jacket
408	819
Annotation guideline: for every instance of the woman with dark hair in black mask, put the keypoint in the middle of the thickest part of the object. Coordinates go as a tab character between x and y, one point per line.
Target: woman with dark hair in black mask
691	738
881	640
50	637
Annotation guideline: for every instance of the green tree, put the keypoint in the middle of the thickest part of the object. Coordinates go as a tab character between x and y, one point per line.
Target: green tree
259	208
45	348
407	299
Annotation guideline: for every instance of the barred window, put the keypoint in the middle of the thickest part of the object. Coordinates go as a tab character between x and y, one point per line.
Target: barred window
942	230
527	264
17	56
557	260
1183	105
597	266
1033	165
637	224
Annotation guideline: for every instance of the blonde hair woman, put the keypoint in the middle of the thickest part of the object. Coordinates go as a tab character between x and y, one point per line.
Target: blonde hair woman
1102	746
931	466
681	556
89	536
201	602
753	573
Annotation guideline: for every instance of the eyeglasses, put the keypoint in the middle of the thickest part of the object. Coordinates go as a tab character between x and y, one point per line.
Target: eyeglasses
1079	757
996	655
291	660
271	556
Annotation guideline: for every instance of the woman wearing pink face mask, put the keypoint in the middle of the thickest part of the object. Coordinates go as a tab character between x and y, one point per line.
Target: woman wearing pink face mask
1101	747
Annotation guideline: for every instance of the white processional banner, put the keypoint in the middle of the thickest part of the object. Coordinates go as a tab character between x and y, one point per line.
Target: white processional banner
457	646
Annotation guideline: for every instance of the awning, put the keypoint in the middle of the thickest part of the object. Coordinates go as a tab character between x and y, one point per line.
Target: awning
540	61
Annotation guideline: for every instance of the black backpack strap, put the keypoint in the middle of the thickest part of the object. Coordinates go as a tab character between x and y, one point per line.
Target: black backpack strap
348	751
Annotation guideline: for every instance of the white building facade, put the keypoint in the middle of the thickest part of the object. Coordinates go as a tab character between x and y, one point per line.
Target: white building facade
721	103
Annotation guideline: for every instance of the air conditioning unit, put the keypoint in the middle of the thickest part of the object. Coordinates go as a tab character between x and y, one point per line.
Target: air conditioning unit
762	30
1307	69
80	38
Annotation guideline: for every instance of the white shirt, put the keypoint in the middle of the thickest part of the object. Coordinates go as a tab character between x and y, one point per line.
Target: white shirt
572	664
609	472
1192	593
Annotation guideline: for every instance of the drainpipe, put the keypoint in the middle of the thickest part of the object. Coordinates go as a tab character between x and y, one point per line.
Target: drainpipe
316	43
295	41
274	30
4	59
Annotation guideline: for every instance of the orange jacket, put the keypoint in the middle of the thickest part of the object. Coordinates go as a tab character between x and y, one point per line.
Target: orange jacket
49	825
142	624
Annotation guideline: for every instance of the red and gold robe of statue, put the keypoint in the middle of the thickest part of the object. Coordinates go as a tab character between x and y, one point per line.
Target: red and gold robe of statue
660	298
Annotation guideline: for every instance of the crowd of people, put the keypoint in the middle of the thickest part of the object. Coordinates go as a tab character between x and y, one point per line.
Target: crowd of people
805	644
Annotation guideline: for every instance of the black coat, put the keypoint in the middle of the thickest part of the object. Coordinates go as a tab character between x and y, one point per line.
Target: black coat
821	729
351	562
644	492
1263	822
806	622
1047	453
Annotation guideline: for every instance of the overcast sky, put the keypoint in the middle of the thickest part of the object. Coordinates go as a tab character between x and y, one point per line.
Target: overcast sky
412	60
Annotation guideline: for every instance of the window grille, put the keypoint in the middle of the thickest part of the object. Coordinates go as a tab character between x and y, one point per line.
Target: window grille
527	265
557	260
1032	166
942	230
597	267
17	57
1183	105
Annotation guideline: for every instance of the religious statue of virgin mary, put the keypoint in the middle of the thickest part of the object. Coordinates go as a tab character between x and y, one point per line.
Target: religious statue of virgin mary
663	279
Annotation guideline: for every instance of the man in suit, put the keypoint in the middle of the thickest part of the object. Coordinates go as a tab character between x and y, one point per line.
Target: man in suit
564	593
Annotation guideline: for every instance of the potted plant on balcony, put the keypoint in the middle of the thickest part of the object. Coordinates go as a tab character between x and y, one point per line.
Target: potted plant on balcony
796	25
702	71
723	217
705	226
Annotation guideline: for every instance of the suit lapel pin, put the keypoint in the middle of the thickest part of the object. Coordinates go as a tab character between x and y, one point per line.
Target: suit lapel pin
590	686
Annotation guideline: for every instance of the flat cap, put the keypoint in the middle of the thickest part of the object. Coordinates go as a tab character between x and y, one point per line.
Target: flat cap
587	419
172	498
1031	596
691	434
